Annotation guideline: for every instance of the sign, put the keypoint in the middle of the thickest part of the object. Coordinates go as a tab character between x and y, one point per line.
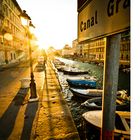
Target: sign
81	3
103	17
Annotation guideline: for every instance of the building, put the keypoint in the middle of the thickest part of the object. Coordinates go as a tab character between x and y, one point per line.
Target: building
93	51
13	40
96	50
74	46
67	51
125	49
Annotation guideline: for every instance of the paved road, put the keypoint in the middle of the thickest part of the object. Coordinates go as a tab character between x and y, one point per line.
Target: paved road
10	84
14	108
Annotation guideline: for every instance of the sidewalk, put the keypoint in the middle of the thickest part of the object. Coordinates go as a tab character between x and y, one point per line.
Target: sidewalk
4	66
12	64
47	119
54	119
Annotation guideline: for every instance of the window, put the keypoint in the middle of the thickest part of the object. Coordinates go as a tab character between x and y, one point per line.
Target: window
127	58
122	56
11	56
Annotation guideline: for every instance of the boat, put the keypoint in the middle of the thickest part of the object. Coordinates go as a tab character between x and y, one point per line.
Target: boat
82	83
60	68
74	71
122	122
86	93
96	104
58	63
93	103
127	70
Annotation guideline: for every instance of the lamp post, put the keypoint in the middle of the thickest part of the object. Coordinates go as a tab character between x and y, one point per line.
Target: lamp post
26	21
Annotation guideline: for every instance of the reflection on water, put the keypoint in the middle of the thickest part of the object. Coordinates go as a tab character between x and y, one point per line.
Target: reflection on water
75	103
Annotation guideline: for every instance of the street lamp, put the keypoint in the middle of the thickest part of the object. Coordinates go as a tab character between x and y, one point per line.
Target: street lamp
26	21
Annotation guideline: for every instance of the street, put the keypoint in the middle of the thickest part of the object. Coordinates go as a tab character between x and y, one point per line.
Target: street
14	107
10	84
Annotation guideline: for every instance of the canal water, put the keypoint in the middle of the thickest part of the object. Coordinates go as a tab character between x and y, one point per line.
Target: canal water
75	103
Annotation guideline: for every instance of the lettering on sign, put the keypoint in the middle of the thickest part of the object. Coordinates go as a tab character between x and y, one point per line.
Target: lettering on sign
89	23
113	6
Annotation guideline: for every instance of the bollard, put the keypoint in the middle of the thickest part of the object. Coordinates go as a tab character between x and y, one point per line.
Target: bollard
25	83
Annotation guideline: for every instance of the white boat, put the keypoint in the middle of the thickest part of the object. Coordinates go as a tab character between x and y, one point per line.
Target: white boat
87	93
96	104
122	122
74	72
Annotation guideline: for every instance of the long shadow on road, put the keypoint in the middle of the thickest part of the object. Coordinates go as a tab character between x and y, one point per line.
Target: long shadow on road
7	121
30	114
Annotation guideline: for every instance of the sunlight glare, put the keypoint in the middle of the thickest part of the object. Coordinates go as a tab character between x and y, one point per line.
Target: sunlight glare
42	44
55	27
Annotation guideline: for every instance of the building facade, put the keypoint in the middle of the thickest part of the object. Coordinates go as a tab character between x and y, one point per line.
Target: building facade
94	51
125	49
13	39
67	51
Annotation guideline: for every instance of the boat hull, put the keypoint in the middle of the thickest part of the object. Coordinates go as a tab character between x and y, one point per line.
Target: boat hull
75	72
84	84
96	104
83	93
122	118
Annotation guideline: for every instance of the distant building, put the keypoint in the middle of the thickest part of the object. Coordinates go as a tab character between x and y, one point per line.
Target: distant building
93	50
74	46
67	50
77	48
96	50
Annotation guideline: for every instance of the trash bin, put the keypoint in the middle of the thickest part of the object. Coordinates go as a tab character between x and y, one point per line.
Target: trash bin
25	83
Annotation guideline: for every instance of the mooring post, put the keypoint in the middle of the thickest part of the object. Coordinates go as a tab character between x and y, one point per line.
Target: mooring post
110	84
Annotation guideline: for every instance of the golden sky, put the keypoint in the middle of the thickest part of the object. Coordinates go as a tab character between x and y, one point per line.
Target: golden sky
55	21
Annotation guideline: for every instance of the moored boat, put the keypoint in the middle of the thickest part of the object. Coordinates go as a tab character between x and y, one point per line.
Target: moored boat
60	68
57	63
74	71
96	104
86	93
122	122
82	83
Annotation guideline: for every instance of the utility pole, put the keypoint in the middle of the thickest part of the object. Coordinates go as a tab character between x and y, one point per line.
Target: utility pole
110	85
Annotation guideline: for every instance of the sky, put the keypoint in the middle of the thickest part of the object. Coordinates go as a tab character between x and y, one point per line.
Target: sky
55	21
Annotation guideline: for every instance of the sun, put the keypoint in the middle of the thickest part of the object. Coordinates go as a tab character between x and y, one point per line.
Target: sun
41	41
42	44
